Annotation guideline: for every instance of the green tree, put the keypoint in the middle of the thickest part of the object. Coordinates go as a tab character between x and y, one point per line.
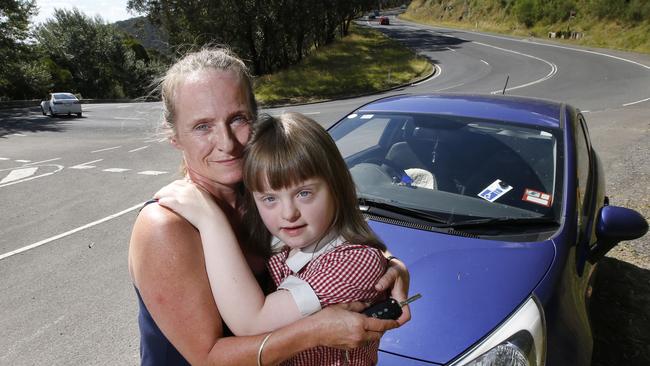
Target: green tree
270	34
22	75
93	58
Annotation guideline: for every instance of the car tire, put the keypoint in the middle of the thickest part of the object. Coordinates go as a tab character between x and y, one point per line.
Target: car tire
79	114
43	111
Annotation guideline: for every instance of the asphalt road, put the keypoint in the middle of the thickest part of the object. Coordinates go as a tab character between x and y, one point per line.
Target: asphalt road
70	187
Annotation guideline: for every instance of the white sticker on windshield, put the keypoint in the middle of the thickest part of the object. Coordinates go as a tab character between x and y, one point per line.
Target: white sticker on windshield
353	115
495	190
367	116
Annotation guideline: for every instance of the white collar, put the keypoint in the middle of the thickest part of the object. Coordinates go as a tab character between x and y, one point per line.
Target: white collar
299	258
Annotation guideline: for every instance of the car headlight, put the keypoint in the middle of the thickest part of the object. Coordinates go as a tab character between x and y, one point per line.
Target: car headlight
519	341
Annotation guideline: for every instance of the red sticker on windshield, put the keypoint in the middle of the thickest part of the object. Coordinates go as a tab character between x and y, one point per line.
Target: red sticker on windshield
537	197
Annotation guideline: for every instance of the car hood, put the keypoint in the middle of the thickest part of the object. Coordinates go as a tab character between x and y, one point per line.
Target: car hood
468	286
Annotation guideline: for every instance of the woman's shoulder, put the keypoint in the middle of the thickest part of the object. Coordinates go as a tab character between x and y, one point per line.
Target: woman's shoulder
157	227
162	243
158	218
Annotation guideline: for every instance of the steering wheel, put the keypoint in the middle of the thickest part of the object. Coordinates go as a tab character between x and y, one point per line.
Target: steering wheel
395	172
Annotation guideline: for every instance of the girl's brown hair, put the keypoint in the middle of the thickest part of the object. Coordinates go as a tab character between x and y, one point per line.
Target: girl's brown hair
290	149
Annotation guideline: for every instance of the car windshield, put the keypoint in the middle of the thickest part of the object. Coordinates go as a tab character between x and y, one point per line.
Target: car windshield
462	171
64	96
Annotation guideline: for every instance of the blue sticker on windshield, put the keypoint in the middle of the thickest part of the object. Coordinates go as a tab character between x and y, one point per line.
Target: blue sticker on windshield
495	190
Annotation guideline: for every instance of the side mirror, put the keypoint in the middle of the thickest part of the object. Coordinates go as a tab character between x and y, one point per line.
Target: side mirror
615	224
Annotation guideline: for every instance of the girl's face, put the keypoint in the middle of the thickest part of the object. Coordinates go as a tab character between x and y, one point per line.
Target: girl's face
213	124
299	215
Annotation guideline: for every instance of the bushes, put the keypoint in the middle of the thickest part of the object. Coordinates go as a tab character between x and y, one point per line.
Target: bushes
527	12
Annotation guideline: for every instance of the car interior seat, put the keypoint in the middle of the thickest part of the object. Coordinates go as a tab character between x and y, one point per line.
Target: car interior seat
414	155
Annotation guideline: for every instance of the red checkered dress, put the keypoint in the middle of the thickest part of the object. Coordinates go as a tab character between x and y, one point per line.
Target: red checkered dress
346	273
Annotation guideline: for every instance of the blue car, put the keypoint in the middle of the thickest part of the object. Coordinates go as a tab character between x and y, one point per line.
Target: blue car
497	205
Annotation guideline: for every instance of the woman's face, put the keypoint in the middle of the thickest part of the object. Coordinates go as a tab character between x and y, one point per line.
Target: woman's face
213	124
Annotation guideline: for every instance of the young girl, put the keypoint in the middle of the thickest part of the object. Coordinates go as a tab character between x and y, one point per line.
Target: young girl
301	194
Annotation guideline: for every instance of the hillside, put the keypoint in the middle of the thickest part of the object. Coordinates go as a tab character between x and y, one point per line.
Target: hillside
149	35
616	24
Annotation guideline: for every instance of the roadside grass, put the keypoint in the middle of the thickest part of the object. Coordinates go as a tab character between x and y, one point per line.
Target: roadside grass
596	33
364	62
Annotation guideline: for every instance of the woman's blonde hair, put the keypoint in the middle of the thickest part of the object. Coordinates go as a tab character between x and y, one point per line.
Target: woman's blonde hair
290	149
208	58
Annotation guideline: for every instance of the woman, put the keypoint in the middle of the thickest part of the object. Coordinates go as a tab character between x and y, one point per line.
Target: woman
209	106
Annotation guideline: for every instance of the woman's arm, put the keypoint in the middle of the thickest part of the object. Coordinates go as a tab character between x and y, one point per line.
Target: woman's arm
166	264
396	279
241	302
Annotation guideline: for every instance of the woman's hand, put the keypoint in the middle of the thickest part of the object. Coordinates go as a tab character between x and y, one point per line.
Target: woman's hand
396	279
190	201
342	326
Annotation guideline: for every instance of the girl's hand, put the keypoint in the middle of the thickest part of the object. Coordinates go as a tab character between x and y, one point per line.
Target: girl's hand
342	326
396	279
190	201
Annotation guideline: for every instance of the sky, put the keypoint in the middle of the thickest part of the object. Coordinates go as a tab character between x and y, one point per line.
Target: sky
110	10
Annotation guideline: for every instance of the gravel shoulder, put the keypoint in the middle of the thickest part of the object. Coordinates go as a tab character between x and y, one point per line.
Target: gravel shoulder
620	307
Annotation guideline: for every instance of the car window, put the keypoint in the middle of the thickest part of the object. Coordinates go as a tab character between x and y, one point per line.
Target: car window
366	135
64	96
463	167
583	162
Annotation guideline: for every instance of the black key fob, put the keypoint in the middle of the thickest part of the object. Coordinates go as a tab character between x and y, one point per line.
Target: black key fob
387	309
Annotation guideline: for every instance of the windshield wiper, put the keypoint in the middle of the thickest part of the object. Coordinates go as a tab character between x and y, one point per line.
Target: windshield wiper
493	222
390	209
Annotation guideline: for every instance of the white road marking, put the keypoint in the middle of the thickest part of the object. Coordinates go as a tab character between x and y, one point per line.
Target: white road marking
31	337
5	159
558	46
438	72
115	170
18	134
85	165
58	168
106	149
152	172
548	76
18	174
138	149
572	49
43	161
637	102
485	62
451	49
22	161
67	233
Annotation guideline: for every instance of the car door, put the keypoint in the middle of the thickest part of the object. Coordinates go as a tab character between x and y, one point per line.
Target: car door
590	190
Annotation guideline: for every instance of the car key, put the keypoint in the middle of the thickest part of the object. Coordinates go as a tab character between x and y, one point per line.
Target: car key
389	308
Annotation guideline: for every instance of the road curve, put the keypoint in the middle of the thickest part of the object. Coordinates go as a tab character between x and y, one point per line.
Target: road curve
473	62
